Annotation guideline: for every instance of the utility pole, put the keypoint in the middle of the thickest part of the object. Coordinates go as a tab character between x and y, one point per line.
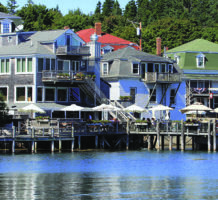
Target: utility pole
138	31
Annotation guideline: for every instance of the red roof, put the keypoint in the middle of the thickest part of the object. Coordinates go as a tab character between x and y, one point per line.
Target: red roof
106	39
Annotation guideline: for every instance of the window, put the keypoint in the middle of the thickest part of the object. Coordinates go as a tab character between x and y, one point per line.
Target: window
153	97
4	69
177	59
39	94
6	28
62	94
74	94
4	93
150	67
75	66
163	68
200	60
156	67
40	64
49	94
170	66
23	93
24	65
133	93
135	68
105	69
172	96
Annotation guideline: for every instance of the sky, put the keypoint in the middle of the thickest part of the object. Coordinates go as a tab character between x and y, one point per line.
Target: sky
86	6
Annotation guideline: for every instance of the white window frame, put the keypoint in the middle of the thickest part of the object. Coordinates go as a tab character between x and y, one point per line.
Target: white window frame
42	94
158	67
161	68
73	69
26	93
171	68
26	63
55	93
5	86
9	71
8	23
50	64
200	56
177	59
105	65
135	63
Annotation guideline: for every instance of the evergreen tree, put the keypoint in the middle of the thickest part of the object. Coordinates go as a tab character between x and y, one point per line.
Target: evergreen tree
130	11
107	7
12	5
98	8
143	11
3	8
116	8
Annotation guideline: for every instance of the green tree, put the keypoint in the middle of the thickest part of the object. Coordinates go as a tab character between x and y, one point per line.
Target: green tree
98	8
4	117
3	8
107	7
130	11
12	6
116	8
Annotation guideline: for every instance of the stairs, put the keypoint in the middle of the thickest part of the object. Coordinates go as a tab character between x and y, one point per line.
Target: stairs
93	91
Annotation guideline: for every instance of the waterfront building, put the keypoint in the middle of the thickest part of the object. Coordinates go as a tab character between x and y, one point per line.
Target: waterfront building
142	78
49	68
108	42
198	61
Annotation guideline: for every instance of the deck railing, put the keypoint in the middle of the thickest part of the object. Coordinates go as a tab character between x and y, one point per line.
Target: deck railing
73	50
151	77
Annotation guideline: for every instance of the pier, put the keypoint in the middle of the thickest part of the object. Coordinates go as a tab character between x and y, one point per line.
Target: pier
127	135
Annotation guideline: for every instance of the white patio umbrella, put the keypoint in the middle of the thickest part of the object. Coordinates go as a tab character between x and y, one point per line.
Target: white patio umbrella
161	107
105	107
134	108
73	107
195	107
32	108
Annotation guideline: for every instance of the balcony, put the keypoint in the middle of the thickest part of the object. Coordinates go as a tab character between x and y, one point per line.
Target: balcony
63	76
73	50
153	77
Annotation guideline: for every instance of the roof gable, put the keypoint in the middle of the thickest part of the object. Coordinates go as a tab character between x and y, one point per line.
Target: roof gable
198	45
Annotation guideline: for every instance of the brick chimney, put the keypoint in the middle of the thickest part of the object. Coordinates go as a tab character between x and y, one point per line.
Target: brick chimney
98	28
66	27
158	46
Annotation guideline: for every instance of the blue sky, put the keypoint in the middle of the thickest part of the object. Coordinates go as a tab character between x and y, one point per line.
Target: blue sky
86	6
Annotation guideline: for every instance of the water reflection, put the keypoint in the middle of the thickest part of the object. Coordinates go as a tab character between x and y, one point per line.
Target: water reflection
109	175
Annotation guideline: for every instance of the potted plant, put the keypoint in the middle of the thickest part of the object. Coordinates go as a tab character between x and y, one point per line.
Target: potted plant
80	76
125	98
93	77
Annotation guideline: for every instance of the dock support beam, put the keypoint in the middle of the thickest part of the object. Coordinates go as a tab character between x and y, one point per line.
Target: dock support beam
162	142
149	142
127	142
182	136
13	136
158	135
177	142
52	142
171	143
79	142
96	141
33	138
193	143
72	142
214	135
60	145
209	139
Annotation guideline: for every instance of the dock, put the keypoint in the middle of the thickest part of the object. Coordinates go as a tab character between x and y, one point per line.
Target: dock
126	135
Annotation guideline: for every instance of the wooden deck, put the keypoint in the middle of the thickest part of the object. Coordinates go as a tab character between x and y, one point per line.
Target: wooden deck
122	131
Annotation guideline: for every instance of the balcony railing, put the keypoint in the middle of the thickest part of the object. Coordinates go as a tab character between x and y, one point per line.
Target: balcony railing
152	77
73	50
63	76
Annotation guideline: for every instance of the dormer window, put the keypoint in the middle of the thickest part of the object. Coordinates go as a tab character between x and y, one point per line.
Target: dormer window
6	26
177	58
135	68
200	60
105	69
107	49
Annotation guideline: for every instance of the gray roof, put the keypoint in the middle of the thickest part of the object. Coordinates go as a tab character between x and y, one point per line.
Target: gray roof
33	45
132	54
5	15
120	62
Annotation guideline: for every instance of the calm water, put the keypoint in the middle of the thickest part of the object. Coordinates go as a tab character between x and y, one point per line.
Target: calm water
109	175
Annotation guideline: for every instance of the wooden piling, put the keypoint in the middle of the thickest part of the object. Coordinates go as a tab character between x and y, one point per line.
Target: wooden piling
13	137
158	135
208	137
149	142
79	142
127	142
177	142
72	135
162	142
214	135
182	136
96	141
171	143
193	143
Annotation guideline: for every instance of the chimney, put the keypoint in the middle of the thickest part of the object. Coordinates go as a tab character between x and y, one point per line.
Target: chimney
158	46
66	27
98	28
